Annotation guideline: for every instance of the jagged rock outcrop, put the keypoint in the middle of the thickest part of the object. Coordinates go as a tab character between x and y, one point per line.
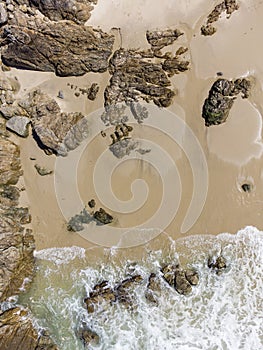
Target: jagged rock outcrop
221	98
16	243
217	263
87	336
63	47
228	6
154	289
18	333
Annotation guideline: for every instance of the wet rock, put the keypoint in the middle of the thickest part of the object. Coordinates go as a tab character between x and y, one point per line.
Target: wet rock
228	6
42	171
134	78
92	203
19	125
102	217
17	332
124	291
217	263
192	276
3	14
101	296
221	98
62	47
74	10
154	289
88	336
122	132
168	272
181	284
175	65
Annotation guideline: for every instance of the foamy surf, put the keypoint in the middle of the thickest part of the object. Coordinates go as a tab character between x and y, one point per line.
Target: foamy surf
223	312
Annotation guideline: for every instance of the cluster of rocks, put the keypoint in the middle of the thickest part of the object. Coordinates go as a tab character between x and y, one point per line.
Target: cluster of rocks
144	74
90	92
227	6
217	263
16	254
122	132
64	47
221	98
101	217
56	132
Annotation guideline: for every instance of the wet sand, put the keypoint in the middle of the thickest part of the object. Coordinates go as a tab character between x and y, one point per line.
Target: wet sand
233	150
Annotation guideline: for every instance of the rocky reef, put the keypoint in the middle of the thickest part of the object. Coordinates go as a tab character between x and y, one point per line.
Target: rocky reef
221	98
64	47
227	6
18	333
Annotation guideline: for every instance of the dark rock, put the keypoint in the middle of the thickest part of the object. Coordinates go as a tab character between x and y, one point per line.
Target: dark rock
93	91
102	217
175	66
92	203
17	332
122	132
154	289
228	6
168	272
221	97
246	187
61	47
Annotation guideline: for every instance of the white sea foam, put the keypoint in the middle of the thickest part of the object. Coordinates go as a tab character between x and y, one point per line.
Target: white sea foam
60	255
223	312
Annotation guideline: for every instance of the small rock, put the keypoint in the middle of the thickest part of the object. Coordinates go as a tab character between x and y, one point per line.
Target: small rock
154	289
181	284
10	7
101	294
93	91
246	187
92	203
42	171
19	125
169	273
60	94
218	264
87	336
103	217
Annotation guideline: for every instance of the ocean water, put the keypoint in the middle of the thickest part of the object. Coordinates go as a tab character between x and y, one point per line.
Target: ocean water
223	312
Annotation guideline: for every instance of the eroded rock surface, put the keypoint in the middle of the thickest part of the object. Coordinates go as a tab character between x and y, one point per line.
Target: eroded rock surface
154	289
87	336
221	98
63	47
18	333
227	6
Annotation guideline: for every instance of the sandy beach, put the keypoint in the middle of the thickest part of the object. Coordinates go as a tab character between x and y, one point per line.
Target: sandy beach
233	150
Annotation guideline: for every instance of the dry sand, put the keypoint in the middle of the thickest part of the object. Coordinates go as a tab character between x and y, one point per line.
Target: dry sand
233	150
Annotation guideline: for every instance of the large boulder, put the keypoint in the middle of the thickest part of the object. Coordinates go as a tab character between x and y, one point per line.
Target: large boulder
62	47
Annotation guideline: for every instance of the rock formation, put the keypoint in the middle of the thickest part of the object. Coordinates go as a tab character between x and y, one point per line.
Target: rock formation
228	6
63	47
18	333
221	97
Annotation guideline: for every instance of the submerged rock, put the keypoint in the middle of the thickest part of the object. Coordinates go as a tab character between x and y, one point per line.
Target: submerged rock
62	47
17	332
217	263
124	291
221	98
19	125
